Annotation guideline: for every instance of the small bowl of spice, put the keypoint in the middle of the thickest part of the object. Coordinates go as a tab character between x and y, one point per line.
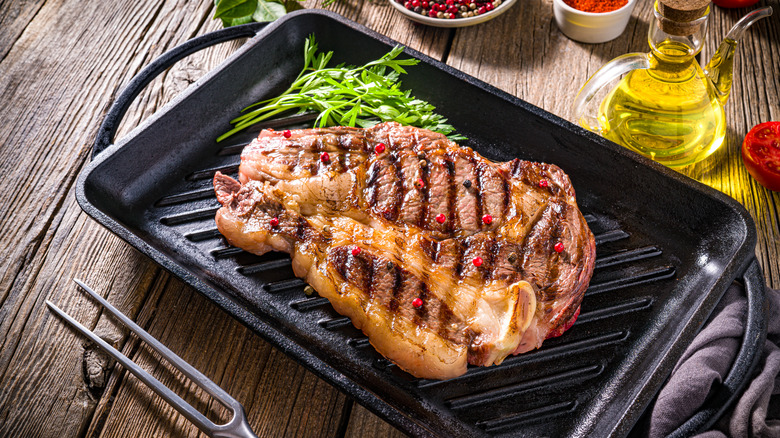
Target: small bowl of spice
592	21
451	13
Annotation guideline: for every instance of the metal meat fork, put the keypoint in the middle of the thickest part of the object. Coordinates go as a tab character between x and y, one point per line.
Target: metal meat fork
237	427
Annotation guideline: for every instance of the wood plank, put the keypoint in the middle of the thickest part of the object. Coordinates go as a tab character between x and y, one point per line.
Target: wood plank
15	15
66	242
382	18
280	397
43	391
36	179
364	424
527	56
45	157
755	98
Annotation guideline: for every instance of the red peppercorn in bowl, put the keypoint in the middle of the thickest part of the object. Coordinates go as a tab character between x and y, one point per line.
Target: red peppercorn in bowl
592	21
451	13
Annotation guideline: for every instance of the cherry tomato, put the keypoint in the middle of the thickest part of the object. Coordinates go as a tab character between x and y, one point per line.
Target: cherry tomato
761	154
734	3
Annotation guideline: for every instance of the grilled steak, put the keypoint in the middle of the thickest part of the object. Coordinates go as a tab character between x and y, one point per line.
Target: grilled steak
440	256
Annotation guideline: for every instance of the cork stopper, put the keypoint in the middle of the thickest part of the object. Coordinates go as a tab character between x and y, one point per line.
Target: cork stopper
679	14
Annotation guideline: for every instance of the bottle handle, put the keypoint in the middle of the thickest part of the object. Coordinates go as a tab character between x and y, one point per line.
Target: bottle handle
583	109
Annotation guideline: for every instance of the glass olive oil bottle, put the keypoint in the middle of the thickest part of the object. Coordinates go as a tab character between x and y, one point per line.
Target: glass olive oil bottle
667	107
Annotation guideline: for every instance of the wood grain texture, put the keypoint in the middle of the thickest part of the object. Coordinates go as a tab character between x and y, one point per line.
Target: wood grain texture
380	17
364	424
58	242
530	58
755	98
62	63
15	15
279	395
44	392
47	127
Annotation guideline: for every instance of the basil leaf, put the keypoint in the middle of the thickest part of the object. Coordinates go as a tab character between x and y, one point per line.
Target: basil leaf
292	5
227	22
268	11
235	8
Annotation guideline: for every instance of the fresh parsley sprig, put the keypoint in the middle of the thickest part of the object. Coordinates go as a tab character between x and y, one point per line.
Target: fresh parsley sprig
348	96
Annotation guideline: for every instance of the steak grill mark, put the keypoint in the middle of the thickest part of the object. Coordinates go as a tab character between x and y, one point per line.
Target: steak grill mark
395	289
465	272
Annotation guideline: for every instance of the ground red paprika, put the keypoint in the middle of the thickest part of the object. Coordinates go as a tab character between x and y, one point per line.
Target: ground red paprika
596	5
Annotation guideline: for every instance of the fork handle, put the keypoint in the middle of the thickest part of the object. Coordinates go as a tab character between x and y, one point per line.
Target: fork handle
163	391
237	427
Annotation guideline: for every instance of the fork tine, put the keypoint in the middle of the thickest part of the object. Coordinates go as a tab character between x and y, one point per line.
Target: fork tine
169	396
187	369
236	427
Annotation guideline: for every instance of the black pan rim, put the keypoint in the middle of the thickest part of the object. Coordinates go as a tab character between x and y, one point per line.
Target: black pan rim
322	369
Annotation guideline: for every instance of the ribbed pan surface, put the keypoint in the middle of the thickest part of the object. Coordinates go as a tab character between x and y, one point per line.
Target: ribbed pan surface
537	388
667	247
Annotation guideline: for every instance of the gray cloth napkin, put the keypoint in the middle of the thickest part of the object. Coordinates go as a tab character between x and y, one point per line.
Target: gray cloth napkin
706	363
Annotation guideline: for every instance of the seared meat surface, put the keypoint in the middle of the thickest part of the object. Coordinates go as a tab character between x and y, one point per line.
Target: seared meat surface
440	256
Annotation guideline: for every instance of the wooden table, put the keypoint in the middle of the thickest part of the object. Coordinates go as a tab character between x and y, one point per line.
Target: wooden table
61	63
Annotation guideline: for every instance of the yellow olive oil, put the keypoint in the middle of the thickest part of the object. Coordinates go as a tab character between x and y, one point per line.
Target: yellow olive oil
670	112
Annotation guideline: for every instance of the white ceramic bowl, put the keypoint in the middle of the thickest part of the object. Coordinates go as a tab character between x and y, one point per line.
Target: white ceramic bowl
591	27
455	22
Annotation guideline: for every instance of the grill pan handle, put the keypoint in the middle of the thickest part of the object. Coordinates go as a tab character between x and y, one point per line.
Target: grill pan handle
113	117
746	360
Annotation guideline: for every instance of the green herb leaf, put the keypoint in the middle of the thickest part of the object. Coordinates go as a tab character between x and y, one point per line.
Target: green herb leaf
230	9
268	11
227	22
292	5
348	95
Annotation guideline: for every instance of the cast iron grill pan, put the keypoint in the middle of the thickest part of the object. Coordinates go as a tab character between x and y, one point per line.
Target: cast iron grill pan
667	247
